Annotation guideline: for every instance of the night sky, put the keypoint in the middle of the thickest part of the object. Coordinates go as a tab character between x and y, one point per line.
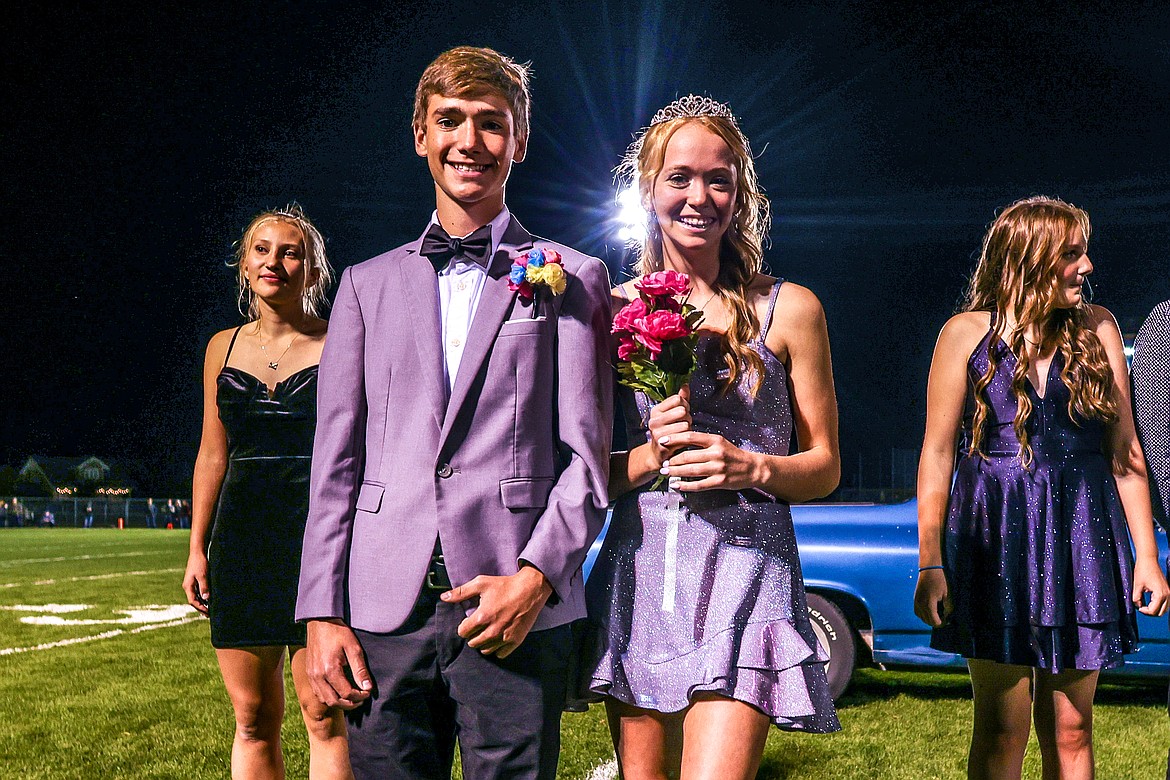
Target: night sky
138	142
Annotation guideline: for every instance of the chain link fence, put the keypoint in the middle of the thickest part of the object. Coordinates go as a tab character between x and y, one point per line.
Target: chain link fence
94	512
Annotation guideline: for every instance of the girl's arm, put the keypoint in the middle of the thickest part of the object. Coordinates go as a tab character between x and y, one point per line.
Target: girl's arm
946	392
210	467
798	330
668	420
1129	469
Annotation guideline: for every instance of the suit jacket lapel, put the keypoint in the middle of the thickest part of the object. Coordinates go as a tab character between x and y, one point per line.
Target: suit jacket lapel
494	303
422	298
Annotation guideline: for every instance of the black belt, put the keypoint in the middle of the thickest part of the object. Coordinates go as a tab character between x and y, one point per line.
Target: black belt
437	577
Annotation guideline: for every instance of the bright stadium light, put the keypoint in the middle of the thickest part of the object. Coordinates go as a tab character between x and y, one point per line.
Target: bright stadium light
631	217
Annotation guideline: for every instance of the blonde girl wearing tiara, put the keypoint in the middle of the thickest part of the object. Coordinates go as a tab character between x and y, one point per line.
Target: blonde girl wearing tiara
705	645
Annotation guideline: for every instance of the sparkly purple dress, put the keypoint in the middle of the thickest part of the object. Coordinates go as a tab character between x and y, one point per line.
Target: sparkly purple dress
1038	559
725	612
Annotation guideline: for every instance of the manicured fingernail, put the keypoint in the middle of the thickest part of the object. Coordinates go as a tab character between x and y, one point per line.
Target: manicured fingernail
664	440
674	482
665	470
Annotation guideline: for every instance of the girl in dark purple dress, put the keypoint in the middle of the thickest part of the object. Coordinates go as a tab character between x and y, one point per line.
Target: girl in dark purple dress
1026	565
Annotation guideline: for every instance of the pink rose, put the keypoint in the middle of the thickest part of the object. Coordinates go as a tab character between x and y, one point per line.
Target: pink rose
627	348
633	311
664	325
653	345
552	256
664	283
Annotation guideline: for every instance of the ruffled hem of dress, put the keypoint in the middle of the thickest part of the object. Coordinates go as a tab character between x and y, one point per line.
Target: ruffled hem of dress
774	669
1084	647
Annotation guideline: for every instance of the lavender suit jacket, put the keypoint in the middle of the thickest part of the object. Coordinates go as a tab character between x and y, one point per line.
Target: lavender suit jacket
513	467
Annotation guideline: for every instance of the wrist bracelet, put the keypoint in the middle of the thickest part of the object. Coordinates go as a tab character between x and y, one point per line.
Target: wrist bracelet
928	568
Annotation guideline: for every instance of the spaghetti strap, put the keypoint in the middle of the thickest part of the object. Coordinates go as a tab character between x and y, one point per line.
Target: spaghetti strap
230	345
767	323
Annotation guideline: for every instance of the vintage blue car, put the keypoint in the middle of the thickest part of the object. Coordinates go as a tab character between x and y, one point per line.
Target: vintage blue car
860	565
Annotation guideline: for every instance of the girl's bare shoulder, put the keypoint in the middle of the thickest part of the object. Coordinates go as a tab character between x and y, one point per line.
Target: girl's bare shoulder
963	332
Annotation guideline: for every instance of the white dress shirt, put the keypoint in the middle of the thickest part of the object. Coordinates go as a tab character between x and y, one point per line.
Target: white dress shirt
460	285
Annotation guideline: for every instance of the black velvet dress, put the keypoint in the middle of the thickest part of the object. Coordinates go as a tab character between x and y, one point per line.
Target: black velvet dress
255	552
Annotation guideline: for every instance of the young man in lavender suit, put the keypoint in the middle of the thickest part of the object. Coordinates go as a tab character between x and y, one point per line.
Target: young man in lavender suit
462	440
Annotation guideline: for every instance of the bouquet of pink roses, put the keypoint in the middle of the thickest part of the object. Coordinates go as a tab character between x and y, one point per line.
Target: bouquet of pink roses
657	333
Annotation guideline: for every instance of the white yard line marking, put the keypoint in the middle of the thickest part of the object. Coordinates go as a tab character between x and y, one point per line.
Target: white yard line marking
606	771
95	637
153	613
89	545
86	577
54	609
58	559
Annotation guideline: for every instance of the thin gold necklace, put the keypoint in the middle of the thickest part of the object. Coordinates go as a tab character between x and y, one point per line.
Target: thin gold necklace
710	298
275	364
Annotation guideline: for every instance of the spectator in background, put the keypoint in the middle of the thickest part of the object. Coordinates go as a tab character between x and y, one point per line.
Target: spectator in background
48	520
184	514
151	514
1150	374
1151	399
169	513
88	515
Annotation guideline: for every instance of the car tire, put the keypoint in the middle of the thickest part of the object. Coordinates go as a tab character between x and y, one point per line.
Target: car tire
837	637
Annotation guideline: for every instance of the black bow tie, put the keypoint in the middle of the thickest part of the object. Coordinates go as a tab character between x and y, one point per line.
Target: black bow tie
440	248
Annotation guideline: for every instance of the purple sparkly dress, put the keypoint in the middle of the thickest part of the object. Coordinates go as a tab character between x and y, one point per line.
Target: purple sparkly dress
725	611
1038	559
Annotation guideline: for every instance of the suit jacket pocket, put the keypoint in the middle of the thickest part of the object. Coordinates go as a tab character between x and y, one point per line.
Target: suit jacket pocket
370	497
526	493
524	326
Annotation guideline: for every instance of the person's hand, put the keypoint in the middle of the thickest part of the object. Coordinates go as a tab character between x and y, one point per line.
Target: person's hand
711	463
667	420
195	581
932	599
336	665
1148	578
507	608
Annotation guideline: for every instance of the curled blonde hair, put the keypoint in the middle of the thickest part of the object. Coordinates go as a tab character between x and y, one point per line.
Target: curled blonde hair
316	263
741	251
1017	274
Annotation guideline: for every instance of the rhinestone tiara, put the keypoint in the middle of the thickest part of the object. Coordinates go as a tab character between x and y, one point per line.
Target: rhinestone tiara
693	105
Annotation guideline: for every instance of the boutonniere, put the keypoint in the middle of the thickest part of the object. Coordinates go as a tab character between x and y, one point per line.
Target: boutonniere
534	269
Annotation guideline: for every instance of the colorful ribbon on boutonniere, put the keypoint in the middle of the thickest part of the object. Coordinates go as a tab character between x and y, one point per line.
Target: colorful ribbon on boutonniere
536	269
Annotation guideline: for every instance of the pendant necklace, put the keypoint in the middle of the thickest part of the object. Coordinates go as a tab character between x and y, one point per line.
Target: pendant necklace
710	298
274	364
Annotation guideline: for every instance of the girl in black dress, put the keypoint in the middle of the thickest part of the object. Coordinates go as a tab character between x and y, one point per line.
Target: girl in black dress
251	492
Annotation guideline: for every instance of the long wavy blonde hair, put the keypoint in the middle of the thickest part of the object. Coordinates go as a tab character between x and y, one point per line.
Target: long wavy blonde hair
741	252
1017	274
313	297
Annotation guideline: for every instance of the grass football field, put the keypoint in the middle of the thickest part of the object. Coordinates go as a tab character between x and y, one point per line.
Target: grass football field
104	673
